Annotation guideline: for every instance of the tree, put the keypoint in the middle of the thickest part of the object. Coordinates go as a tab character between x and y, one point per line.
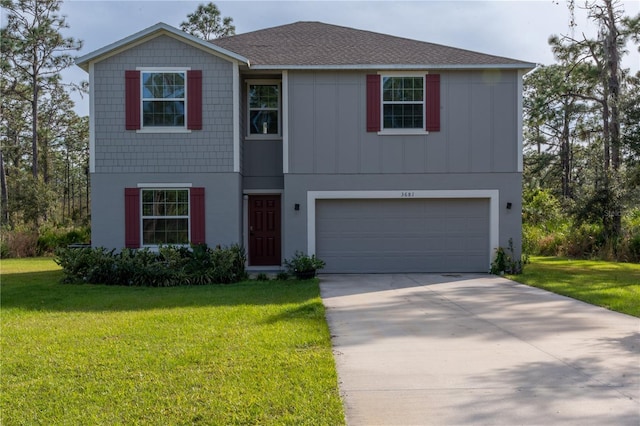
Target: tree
207	23
553	115
33	53
595	63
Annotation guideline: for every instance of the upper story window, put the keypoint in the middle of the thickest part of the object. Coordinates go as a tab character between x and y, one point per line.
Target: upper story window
163	99
403	102
263	100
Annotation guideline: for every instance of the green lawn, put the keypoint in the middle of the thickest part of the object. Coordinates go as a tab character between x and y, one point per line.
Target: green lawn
248	353
612	285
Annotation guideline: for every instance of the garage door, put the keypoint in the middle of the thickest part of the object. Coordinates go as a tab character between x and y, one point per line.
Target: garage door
400	235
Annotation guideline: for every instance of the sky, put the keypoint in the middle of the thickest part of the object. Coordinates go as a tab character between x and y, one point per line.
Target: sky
516	29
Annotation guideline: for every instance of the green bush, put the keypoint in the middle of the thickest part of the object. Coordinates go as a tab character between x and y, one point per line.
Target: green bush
170	266
584	241
51	238
634	248
302	265
94	265
541	207
537	239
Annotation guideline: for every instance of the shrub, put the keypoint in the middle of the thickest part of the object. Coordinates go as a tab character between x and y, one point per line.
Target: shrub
584	241
170	266
20	243
94	265
302	265
540	206
506	262
52	238
634	248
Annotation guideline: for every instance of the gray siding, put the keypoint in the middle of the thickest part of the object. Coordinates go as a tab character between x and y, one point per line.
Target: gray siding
203	158
296	187
263	164
261	158
201	151
329	148
328	130
223	204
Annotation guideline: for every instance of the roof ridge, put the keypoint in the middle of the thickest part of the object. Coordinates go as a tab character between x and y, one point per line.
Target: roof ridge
316	43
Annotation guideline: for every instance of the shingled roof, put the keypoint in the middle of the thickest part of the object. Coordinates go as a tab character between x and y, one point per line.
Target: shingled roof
320	45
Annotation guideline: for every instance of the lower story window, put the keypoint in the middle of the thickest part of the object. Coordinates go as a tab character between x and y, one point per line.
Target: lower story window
165	216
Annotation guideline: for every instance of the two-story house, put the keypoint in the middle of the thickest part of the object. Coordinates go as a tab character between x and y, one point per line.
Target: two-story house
376	153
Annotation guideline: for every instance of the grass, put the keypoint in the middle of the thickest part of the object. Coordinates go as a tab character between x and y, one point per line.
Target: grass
248	353
615	286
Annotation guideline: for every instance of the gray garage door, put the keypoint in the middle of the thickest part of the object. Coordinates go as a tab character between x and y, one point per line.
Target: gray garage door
403	235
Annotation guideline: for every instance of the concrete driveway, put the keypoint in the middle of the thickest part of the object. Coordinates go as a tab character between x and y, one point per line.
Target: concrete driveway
428	349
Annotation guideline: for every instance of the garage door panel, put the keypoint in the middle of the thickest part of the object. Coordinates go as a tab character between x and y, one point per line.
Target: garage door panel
417	235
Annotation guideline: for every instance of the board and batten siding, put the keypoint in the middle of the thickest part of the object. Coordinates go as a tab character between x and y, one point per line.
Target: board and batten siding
209	150
328	130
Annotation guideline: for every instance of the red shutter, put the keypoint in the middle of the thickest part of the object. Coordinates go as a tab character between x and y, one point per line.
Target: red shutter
132	101
132	217
197	216
194	100
373	103
432	102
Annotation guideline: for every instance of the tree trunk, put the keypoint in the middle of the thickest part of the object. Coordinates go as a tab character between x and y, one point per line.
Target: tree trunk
565	150
34	116
612	87
612	63
4	206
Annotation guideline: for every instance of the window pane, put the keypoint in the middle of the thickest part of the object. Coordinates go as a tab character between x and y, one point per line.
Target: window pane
165	231
165	202
163	113
403	89
182	210
263	96
163	85
403	116
263	122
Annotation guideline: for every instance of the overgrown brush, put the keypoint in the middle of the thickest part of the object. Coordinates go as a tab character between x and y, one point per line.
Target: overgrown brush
583	241
26	242
170	266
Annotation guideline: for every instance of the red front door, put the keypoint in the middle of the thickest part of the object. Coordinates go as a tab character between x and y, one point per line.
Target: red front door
264	230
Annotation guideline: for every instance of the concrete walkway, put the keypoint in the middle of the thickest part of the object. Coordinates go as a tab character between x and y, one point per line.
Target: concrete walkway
427	349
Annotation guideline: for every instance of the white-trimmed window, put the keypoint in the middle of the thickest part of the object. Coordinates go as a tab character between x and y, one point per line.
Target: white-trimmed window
403	102
263	108
165	216
160	100
163	98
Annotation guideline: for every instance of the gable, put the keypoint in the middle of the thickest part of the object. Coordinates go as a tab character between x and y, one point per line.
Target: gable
158	30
